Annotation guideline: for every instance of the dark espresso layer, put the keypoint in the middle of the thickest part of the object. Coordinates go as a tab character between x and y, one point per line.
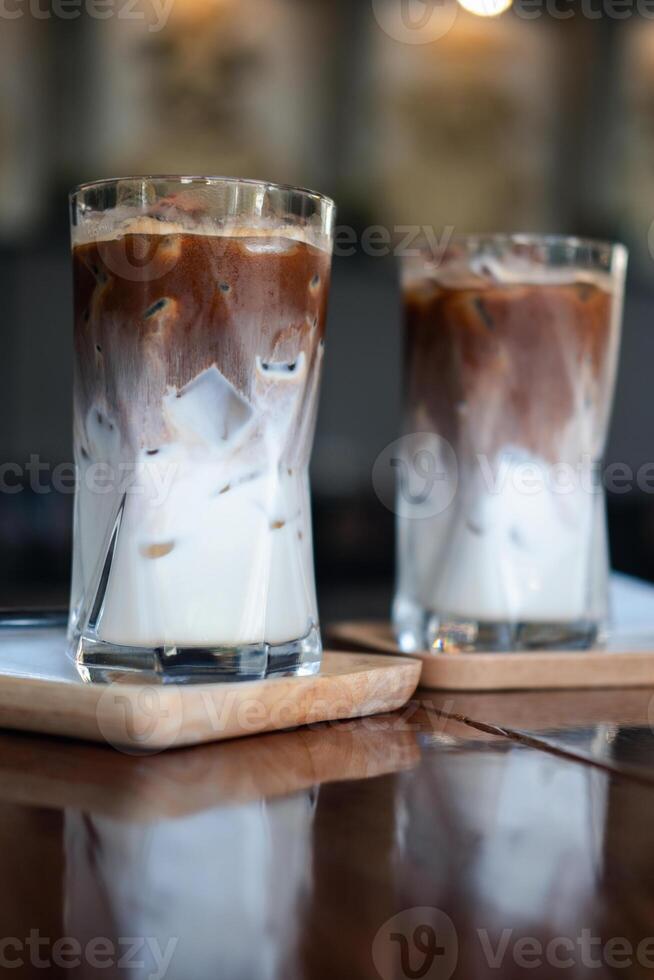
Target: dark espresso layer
153	311
499	365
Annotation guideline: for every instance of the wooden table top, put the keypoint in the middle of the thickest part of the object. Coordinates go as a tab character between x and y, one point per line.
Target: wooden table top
468	836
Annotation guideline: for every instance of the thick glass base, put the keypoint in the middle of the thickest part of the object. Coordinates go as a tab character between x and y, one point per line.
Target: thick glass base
420	629
102	662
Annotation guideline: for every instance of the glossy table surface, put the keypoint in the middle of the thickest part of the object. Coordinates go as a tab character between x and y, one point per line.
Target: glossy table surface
337	851
467	836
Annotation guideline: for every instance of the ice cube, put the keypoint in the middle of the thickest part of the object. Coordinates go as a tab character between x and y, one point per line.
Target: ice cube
209	409
102	435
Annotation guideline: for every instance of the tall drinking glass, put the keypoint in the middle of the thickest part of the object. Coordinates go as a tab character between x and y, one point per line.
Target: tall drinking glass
511	352
200	307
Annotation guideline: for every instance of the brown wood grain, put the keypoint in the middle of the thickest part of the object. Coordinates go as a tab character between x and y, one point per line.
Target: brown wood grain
147	718
516	671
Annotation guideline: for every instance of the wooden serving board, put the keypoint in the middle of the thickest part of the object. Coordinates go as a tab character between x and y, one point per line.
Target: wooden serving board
628	661
40	691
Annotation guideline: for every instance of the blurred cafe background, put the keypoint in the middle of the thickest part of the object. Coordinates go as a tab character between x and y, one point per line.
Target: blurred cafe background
449	114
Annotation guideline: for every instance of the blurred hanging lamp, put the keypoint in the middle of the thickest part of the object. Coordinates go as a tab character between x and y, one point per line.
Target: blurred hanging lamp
486	8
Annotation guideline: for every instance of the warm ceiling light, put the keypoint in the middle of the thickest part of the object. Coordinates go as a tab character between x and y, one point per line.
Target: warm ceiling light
486	8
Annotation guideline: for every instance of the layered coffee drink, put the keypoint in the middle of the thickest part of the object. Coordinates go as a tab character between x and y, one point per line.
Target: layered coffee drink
199	342
511	352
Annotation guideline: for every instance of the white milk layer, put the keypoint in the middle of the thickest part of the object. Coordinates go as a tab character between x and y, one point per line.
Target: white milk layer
204	568
212	543
517	545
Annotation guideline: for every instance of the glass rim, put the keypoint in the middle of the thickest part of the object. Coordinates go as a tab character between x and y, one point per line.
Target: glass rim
207	180
547	239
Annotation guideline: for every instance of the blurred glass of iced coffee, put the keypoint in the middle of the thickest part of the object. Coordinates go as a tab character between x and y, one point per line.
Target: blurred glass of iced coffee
511	349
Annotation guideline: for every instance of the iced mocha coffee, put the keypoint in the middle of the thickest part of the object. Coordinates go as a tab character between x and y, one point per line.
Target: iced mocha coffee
510	364
198	359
